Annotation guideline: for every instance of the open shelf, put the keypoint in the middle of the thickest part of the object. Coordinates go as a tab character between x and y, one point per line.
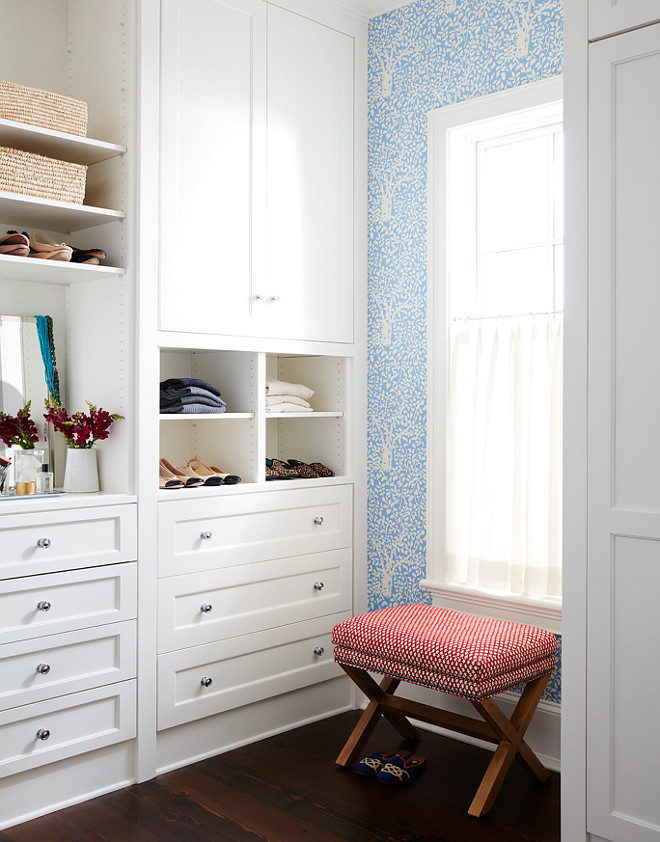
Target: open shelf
66	147
53	271
32	212
282	416
205	416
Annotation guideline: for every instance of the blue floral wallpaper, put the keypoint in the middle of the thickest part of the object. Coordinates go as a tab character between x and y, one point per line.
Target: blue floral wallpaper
422	56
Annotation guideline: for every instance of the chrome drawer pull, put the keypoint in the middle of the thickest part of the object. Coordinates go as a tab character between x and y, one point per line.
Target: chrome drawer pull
205	536
206	681
206	608
318	586
43	543
319	650
43	606
318	520
43	734
44	669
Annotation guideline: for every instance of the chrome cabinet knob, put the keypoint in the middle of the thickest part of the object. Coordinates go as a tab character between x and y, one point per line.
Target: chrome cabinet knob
206	536
206	681
275	298
260	297
318	586
205	608
44	669
319	650
318	520
43	543
43	734
43	606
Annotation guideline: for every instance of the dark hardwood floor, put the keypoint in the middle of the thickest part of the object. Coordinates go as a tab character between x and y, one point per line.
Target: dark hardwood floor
288	789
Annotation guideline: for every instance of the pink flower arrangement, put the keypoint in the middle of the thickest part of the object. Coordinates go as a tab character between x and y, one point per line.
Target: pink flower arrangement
20	430
80	430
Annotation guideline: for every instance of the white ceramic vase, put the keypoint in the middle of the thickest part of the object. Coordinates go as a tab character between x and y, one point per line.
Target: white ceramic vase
81	474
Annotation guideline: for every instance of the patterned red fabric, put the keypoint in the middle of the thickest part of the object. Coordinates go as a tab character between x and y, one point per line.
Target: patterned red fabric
457	653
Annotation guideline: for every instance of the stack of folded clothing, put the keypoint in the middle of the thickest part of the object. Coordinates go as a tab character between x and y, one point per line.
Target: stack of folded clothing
189	395
287	397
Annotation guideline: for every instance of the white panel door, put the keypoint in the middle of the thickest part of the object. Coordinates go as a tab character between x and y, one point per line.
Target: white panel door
609	16
211	164
310	180
623	740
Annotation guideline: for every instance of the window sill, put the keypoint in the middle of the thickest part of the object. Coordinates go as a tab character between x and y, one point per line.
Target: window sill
538	612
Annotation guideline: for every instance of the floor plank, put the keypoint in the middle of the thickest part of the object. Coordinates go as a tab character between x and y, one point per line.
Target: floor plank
288	789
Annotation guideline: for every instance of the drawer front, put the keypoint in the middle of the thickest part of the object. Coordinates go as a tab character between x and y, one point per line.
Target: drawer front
61	602
63	540
210	679
72	725
199	535
34	670
203	607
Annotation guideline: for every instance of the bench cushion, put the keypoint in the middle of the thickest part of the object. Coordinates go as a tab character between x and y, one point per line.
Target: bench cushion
456	653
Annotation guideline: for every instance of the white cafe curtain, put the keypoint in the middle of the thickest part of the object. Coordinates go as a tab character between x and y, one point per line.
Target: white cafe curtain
504	455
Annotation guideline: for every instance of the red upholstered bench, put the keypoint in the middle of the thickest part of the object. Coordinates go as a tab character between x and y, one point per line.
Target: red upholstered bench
467	656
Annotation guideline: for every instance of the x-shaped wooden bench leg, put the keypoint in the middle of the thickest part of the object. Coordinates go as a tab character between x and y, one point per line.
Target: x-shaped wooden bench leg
493	727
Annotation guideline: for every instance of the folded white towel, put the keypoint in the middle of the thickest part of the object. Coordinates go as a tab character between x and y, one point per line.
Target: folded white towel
281	387
288	407
275	399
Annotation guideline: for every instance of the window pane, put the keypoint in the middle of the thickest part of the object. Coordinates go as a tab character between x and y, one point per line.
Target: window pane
513	194
517	282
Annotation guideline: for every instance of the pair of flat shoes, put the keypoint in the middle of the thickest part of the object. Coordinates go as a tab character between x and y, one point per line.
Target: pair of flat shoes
395	768
15	244
43	247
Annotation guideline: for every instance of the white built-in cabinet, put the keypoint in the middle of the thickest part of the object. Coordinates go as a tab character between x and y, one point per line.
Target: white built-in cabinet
257	259
611	757
141	629
256	188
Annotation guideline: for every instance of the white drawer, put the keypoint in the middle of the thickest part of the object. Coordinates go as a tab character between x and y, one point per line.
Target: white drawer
73	724
252	527
202	607
60	602
243	670
63	540
33	670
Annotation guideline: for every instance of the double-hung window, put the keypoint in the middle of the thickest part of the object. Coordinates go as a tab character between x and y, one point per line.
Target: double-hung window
496	214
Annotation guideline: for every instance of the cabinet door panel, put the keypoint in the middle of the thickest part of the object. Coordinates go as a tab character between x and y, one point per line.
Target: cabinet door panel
60	602
75	724
39	669
624	417
212	94
206	535
244	670
310	179
215	604
609	16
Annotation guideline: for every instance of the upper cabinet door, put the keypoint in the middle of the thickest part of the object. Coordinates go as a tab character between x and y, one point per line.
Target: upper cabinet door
309	180
211	163
606	17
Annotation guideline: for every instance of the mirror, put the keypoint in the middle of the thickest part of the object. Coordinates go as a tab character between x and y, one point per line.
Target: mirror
27	369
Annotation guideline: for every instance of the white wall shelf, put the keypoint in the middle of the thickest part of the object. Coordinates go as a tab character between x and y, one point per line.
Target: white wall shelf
29	211
281	416
53	271
206	416
65	147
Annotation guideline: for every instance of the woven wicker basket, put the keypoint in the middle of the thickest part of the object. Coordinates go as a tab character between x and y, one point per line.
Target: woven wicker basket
42	108
36	175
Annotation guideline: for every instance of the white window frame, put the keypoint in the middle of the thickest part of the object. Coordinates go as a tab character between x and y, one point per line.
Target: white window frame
545	613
